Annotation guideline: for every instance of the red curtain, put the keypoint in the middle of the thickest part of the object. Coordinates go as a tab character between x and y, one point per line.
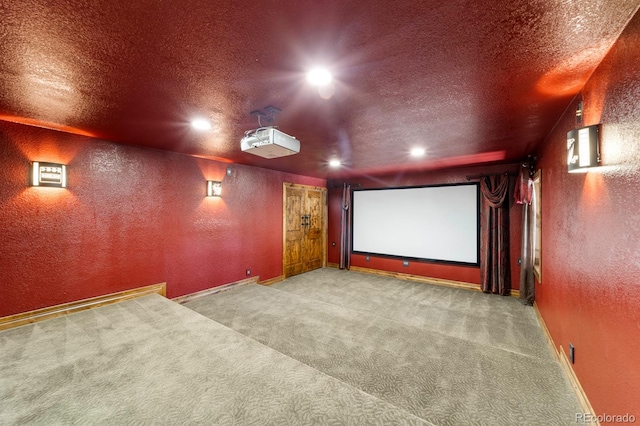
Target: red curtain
494	237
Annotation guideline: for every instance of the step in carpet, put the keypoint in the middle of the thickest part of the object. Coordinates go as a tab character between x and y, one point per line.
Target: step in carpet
398	356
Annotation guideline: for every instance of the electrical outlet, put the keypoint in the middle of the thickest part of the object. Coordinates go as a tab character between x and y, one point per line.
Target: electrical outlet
572	353
368	258
248	272
405	263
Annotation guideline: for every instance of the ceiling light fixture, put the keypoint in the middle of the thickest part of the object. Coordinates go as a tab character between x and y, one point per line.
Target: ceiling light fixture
319	77
334	163
201	124
417	152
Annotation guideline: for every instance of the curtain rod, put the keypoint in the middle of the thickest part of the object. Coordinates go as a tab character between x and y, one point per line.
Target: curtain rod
480	176
335	185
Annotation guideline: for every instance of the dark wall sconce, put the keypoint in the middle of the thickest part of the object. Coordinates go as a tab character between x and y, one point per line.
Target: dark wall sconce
48	174
214	188
583	149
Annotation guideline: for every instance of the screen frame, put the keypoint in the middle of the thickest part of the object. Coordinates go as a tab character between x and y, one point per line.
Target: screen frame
419	259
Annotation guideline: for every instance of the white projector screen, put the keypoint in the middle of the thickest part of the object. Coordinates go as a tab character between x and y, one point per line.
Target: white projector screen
434	223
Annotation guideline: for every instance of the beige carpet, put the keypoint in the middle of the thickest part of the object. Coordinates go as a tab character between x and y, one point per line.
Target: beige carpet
151	361
501	322
449	356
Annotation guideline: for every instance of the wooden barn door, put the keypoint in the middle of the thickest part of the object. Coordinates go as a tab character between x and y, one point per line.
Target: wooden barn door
304	228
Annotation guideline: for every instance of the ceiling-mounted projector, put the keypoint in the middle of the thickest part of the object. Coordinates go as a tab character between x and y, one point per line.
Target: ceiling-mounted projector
269	142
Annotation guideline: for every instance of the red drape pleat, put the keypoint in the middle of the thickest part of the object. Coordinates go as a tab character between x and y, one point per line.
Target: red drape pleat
494	237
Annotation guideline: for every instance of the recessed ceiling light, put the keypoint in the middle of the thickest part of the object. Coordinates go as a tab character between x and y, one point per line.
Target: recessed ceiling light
417	152
319	77
334	163
201	124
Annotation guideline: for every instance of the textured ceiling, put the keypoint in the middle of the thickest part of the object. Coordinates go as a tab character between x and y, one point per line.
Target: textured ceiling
471	81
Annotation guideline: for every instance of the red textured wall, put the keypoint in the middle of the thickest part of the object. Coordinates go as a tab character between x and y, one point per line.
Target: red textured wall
466	274
590	290
130	217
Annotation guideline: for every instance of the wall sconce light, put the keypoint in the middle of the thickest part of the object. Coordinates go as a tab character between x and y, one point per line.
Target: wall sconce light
214	188
583	149
48	174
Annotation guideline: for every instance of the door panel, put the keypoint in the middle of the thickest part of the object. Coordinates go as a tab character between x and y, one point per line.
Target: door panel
313	242
293	250
294	260
305	229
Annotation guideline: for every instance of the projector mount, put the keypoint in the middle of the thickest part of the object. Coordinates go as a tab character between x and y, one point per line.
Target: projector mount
268	114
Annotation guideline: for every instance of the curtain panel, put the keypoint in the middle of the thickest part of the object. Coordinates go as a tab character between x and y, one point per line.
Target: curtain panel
495	273
345	228
523	195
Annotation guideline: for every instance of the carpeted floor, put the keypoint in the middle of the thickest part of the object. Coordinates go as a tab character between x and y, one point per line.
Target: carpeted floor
152	361
448	356
502	322
326	347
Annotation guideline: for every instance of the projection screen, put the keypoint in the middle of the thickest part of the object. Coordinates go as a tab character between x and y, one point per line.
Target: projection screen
434	223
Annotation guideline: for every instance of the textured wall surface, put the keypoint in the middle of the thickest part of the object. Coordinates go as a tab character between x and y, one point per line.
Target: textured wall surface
466	274
464	79
590	290
130	217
